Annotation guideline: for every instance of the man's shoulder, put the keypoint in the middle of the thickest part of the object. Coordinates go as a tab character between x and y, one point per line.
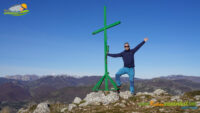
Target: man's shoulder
123	51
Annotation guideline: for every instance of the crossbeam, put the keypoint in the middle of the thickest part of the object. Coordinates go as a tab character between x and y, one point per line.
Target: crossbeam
107	27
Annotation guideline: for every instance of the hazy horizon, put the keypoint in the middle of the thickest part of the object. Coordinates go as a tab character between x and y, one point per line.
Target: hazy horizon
77	76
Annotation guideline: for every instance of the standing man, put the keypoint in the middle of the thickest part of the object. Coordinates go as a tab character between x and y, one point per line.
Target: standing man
128	59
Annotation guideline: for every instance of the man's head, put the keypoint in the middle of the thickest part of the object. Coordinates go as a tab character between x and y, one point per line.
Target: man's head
126	46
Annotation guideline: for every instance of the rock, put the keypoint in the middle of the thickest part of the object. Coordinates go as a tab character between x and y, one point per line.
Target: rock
142	97
175	98
22	110
159	92
132	103
138	93
71	106
95	98
147	93
110	98
161	110
77	100
125	95
190	99
63	110
83	104
153	99
148	106
116	104
198	103
120	104
42	108
97	103
197	97
144	93
123	101
178	92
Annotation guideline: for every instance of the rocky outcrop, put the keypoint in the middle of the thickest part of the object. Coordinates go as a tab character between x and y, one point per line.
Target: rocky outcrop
124	102
160	92
42	108
97	98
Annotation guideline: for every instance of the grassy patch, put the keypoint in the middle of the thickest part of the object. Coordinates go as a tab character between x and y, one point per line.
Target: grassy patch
192	93
133	98
82	101
32	108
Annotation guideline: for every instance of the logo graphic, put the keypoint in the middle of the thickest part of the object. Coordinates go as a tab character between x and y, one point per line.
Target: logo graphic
184	105
17	10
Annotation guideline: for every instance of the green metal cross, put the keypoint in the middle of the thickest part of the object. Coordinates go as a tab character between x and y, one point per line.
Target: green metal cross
106	75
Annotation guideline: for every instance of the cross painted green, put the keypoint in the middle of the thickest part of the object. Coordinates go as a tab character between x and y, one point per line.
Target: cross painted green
106	76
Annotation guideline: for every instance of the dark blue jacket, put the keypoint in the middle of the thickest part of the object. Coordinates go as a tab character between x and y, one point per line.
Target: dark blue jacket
128	55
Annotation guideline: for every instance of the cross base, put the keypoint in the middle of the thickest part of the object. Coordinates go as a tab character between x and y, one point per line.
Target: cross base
106	77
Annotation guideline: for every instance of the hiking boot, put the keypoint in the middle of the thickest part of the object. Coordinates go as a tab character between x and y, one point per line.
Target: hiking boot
133	94
118	90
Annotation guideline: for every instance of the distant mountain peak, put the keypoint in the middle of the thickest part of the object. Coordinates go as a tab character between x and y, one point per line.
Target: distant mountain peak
23	77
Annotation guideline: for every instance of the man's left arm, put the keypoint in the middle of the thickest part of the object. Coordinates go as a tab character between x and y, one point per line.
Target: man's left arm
139	45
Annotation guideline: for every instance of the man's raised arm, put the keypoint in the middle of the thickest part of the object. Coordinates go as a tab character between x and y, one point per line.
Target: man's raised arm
139	45
115	55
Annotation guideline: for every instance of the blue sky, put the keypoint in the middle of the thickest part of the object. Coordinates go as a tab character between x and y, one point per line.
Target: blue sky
55	37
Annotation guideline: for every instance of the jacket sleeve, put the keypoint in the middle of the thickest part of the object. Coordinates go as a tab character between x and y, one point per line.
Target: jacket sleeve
115	55
138	46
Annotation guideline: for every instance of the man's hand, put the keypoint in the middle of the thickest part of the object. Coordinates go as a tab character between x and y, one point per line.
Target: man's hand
145	39
107	53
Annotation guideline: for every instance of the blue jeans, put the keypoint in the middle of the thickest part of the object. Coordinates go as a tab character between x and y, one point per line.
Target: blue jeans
131	74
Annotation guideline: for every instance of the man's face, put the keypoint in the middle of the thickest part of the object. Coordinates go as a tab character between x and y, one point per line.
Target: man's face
126	46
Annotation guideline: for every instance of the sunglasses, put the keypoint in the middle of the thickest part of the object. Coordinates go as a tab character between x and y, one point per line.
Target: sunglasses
126	46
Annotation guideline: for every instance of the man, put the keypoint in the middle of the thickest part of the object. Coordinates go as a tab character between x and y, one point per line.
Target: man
128	59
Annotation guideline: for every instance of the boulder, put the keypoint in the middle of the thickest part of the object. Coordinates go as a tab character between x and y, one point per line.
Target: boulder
144	93
142	97
175	98
197	97
120	104
161	110
71	106
83	104
22	110
125	94
123	101
159	92
95	98
198	103
77	100
63	110
110	98
42	108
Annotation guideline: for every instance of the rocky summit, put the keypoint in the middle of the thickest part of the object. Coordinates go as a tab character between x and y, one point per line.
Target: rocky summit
158	101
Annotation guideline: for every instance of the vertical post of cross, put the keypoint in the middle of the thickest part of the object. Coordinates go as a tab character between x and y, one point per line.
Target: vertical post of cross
105	51
106	75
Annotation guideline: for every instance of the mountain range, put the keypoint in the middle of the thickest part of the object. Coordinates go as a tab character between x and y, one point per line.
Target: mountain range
18	90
